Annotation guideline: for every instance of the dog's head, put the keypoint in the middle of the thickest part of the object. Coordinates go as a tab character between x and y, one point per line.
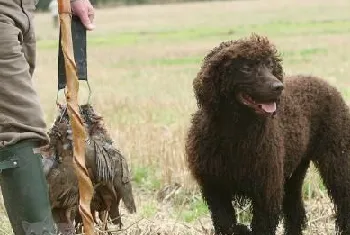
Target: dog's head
246	72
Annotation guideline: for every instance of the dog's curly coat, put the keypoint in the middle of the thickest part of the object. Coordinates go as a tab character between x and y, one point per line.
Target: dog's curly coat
254	136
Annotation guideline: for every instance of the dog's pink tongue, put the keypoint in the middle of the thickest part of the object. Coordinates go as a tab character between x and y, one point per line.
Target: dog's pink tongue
269	108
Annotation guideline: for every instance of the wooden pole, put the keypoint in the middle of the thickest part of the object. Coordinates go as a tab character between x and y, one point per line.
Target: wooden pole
78	129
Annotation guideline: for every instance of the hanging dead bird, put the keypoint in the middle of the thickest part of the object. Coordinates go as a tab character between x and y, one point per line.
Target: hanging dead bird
110	174
59	171
107	169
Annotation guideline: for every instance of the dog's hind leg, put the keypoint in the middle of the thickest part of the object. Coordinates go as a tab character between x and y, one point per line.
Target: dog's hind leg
331	154
293	206
334	166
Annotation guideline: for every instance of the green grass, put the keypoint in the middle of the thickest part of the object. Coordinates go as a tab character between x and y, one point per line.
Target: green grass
194	210
304	55
279	28
293	56
146	178
149	210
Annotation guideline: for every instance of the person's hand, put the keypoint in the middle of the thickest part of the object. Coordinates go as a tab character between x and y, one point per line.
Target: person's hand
85	11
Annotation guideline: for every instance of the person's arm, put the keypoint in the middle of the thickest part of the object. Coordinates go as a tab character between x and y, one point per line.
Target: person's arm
85	11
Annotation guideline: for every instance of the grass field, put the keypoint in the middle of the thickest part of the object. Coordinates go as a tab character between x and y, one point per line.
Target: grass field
141	63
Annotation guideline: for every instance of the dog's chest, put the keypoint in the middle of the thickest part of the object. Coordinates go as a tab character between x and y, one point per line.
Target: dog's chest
248	162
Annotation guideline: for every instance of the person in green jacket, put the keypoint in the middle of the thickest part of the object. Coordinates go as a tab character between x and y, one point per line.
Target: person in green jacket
22	126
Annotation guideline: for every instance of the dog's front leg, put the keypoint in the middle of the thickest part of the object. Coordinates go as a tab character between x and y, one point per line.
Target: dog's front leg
266	214
219	202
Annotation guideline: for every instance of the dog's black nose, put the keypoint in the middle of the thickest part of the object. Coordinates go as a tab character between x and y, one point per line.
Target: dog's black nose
277	86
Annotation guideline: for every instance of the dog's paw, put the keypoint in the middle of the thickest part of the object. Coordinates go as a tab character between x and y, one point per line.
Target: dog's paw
241	229
238	229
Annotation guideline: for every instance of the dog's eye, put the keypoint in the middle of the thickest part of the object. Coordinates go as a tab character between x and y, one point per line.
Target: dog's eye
246	68
270	64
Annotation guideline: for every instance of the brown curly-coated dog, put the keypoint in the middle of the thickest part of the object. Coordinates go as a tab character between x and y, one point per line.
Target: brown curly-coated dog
254	135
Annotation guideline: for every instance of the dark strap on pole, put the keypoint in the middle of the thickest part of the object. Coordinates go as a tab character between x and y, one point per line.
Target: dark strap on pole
79	48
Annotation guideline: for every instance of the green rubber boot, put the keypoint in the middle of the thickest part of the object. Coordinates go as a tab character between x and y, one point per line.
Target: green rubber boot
25	190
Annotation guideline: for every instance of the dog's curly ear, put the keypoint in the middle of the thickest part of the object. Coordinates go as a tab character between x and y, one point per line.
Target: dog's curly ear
206	88
207	85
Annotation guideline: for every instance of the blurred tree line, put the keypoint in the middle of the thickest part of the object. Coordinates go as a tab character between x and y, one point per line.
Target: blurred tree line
43	4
